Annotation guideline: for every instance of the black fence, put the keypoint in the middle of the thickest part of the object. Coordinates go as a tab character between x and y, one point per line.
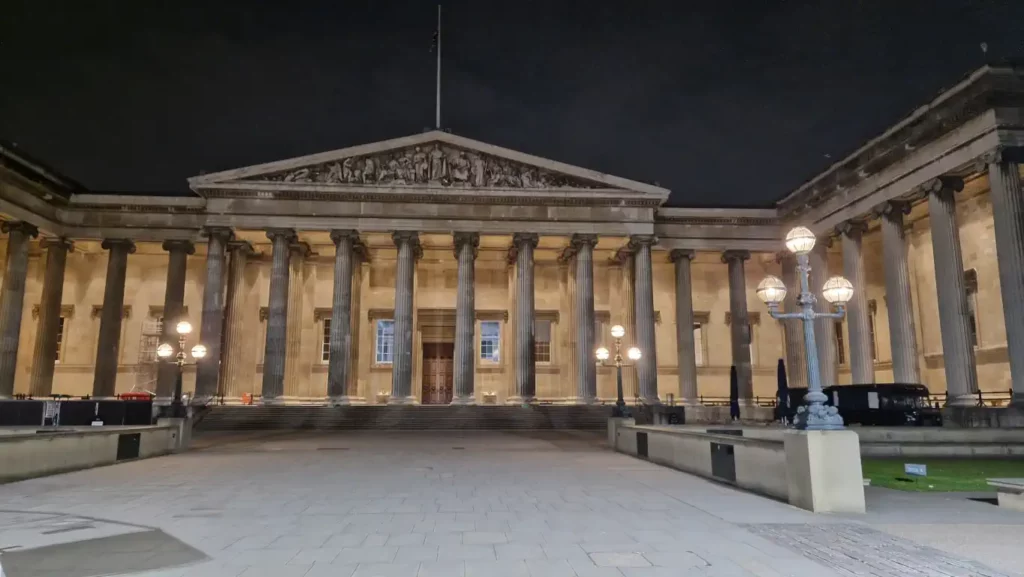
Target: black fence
74	412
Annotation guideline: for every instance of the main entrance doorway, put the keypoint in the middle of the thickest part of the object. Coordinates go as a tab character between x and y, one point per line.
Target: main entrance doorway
438	380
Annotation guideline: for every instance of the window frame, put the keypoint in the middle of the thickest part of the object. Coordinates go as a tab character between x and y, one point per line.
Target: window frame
839	341
971	288
872	311
377	324
325	340
550	342
62	327
480	359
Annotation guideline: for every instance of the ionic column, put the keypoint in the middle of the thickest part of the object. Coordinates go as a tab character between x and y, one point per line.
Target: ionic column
628	305
109	342
824	328
586	369
957	350
902	335
45	353
466	244
796	358
862	361
526	375
409	250
12	300
739	327
685	345
234	374
647	366
174	302
1008	216
277	315
341	316
298	367
211	327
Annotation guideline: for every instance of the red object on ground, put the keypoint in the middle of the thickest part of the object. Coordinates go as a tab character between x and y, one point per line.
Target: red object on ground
136	397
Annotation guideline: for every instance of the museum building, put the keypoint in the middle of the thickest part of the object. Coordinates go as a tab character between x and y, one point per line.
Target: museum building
437	269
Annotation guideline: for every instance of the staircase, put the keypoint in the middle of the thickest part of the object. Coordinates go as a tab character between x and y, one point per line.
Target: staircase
398	417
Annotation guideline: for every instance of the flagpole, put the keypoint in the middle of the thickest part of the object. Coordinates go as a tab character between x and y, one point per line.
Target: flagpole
437	110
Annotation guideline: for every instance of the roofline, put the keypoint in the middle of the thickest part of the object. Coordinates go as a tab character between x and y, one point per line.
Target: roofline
13	152
1008	66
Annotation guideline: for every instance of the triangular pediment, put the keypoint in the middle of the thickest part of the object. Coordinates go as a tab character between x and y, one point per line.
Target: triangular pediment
430	160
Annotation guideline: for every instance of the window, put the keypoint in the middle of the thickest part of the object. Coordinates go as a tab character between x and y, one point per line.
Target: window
325	342
542	341
751	346
385	342
490	341
60	338
971	286
698	344
872	309
840	344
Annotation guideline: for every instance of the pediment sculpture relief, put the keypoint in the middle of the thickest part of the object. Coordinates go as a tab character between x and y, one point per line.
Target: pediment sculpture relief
432	165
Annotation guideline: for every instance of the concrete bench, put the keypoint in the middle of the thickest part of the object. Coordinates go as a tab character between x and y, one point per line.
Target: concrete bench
1011	492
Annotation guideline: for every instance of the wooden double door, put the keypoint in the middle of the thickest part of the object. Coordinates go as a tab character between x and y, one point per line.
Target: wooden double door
438	373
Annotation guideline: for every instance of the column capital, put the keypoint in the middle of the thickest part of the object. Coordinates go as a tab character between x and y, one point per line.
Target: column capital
852	228
577	242
286	233
735	255
999	155
241	247
111	243
521	238
943	185
338	235
677	254
223	233
410	237
893	208
463	238
638	240
179	245
11	226
57	242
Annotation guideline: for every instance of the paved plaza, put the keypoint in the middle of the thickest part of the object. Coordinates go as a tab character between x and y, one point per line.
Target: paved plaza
486	504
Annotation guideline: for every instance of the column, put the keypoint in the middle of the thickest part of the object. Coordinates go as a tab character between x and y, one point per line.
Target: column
902	335
109	341
628	305
174	302
409	250
45	353
236	374
796	359
1008	216
526	376
211	328
647	366
685	346
298	367
12	300
739	327
277	315
824	328
466	244
586	369
339	364
957	350
862	357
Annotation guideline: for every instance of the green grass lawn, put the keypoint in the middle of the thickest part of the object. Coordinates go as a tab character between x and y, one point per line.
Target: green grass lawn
943	474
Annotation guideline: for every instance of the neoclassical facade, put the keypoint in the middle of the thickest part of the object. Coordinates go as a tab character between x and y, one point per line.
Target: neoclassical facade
438	269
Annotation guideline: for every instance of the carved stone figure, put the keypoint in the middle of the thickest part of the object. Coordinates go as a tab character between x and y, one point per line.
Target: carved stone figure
476	165
347	170
437	165
369	170
458	167
422	167
334	175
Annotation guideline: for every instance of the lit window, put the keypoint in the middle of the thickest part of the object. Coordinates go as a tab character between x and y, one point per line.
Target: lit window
490	341
60	338
542	341
971	286
385	341
840	344
325	342
698	344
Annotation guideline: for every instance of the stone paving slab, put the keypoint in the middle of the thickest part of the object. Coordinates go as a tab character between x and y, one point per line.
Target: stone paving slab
449	504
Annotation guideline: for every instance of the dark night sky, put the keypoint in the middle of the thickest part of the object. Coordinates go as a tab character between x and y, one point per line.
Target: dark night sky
730	103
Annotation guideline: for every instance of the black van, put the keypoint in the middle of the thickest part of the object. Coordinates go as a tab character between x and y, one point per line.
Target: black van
880	404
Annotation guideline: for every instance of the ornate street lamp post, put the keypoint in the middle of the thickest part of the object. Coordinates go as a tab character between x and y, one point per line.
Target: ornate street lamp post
837	291
165	351
602	359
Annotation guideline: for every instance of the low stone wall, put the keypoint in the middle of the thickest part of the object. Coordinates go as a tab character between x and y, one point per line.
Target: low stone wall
983	417
27	453
815	470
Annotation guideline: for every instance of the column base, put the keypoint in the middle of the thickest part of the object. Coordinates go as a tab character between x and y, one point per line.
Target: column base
1017	400
464	400
580	400
345	400
272	401
967	400
410	400
520	400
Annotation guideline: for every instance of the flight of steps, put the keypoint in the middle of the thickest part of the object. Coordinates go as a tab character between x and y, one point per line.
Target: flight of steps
398	417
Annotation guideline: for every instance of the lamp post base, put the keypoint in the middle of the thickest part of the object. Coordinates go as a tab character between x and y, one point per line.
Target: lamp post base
621	411
818	418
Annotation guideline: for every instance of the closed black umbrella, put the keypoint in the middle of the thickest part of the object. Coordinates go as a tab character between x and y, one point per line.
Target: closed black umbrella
782	395
734	394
